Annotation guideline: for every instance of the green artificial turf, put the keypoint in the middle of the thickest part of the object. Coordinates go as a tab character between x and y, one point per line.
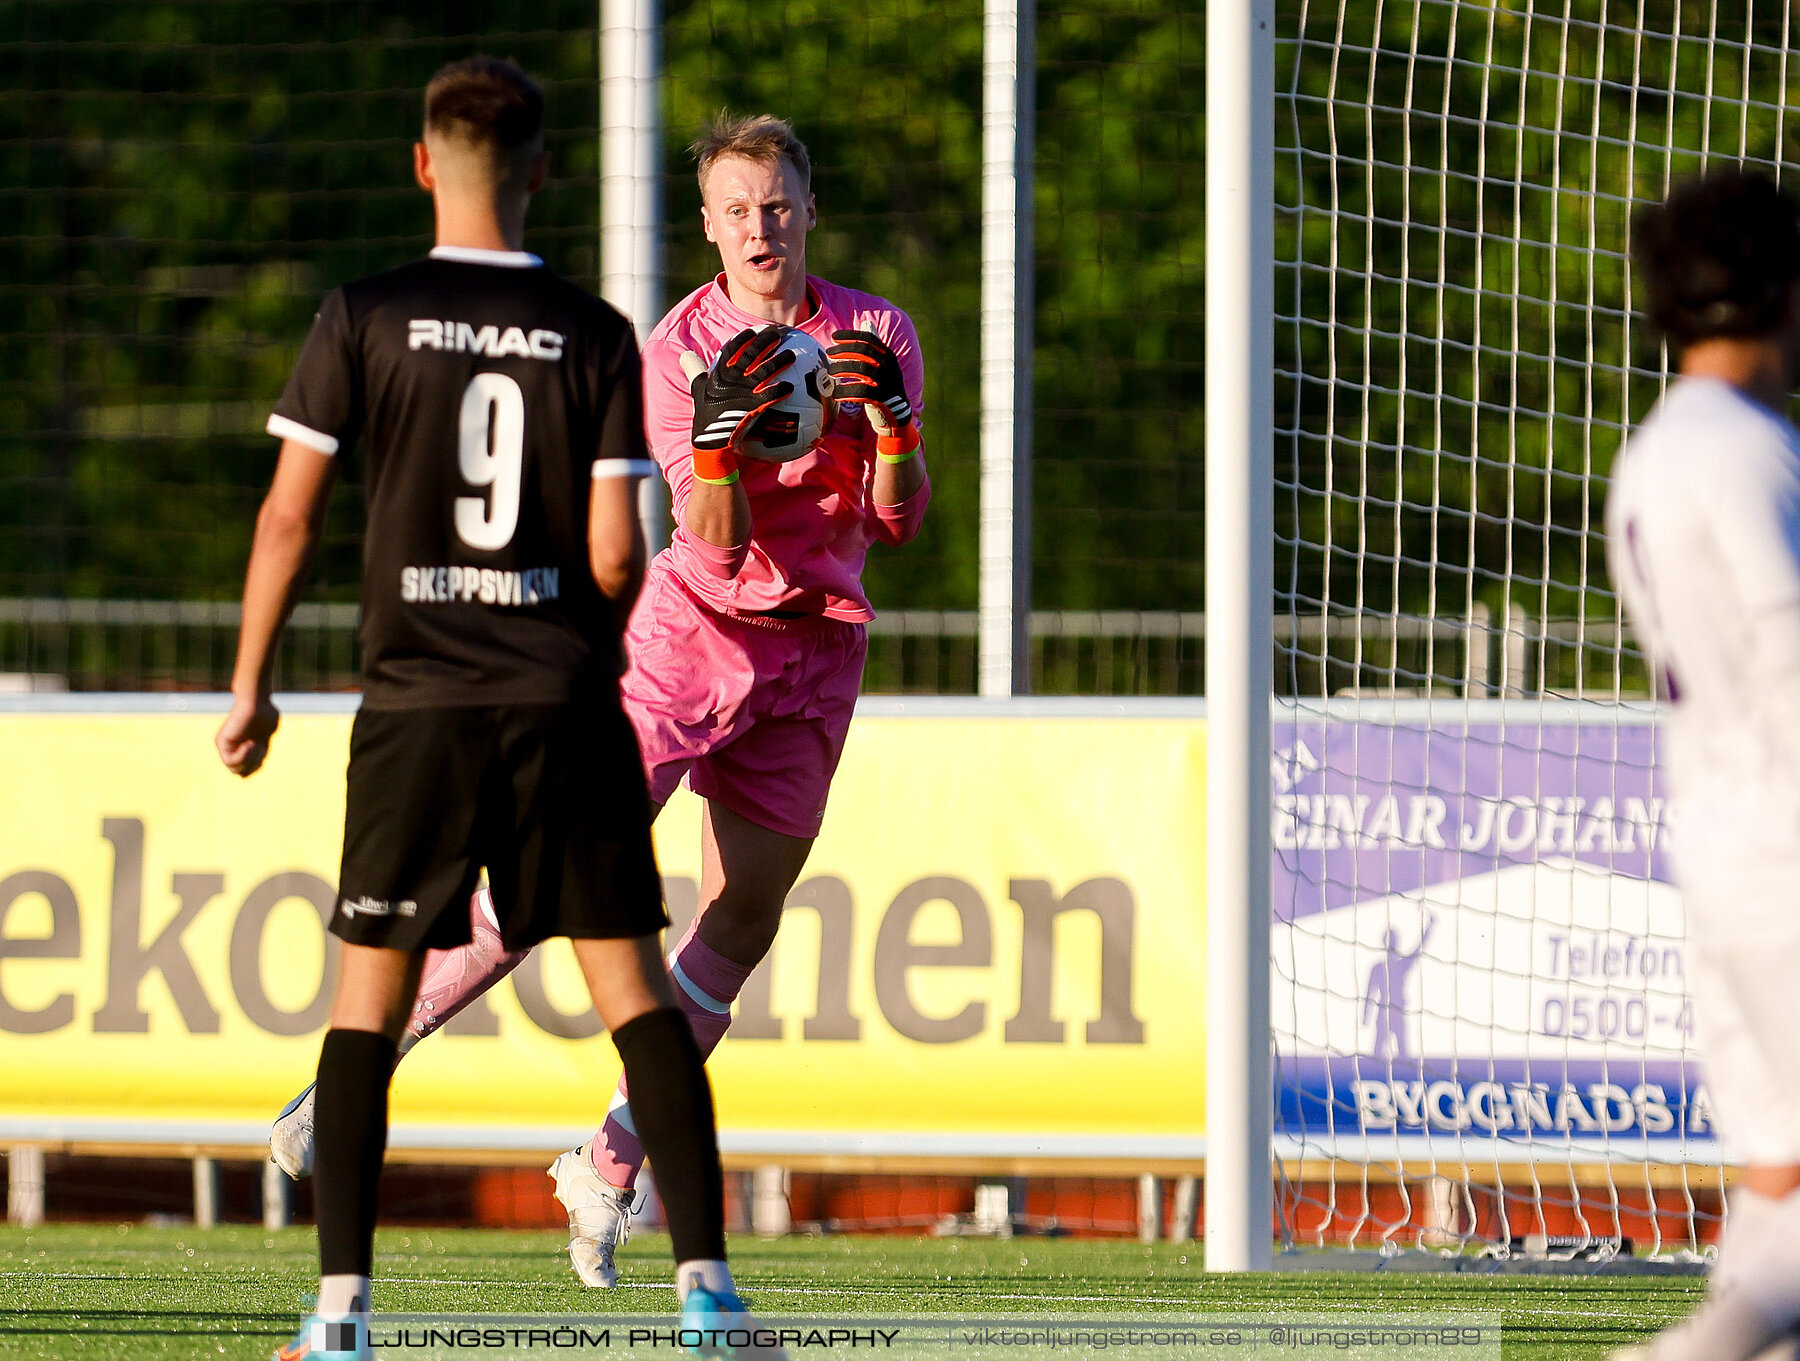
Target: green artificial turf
85	1292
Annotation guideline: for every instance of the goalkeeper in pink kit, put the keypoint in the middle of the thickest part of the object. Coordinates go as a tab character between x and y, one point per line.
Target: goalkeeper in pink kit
746	647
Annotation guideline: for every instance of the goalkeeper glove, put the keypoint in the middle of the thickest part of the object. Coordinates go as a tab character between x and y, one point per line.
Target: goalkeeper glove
727	399
863	369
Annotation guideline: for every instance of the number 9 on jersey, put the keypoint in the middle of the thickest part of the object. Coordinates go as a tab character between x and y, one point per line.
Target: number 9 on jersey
491	453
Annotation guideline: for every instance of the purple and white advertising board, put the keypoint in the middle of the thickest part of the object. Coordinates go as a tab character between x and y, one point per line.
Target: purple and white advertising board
1476	939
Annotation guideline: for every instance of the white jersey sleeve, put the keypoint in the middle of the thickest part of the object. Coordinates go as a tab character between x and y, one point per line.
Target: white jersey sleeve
1704	528
1703	522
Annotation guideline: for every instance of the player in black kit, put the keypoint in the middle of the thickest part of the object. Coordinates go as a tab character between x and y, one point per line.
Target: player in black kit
501	411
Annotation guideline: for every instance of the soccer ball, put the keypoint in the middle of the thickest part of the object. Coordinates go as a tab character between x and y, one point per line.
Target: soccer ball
794	425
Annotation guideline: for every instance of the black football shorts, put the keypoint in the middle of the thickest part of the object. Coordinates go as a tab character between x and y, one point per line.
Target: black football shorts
548	798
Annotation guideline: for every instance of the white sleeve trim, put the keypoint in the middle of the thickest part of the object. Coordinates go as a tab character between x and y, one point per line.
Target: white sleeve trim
623	467
283	428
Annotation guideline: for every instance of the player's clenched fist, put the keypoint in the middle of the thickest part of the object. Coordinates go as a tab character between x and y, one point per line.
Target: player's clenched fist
863	369
243	738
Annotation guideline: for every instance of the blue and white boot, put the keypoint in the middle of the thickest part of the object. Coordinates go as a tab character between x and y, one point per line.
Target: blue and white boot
334	1340
725	1326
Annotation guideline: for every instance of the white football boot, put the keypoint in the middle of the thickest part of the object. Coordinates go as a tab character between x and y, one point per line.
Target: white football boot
599	1217
291	1136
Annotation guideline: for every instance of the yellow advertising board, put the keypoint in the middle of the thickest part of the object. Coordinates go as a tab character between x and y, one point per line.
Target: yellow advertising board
996	947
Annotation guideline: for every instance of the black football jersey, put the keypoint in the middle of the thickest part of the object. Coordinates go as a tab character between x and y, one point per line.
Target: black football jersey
485	388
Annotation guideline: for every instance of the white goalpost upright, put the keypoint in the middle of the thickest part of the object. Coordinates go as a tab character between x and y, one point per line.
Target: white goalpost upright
630	195
1446	985
1239	599
1008	225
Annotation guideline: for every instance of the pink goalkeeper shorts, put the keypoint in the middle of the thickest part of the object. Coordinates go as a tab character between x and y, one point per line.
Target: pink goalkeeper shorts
753	710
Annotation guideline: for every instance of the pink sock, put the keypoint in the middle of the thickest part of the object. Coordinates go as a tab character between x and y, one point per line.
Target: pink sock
706	984
454	978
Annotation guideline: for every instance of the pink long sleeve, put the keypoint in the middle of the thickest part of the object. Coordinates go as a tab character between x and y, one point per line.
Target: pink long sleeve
723	563
812	519
900	522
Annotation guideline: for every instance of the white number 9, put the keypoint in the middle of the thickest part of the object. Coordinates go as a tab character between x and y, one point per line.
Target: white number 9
491	452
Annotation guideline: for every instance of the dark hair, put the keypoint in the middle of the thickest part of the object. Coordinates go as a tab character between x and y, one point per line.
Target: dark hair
756	137
1718	256
486	101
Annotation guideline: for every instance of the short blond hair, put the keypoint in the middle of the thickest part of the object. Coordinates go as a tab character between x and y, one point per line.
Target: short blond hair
755	137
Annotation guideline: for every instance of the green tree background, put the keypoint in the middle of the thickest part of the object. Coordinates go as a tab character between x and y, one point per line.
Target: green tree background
186	179
182	180
1457	361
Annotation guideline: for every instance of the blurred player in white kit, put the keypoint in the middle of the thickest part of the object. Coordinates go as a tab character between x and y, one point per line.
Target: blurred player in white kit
1703	531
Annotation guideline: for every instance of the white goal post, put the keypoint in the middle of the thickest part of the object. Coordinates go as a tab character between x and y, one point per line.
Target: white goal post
1239	572
1445	855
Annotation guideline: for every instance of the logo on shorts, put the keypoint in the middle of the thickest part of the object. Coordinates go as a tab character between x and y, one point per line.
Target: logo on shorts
377	907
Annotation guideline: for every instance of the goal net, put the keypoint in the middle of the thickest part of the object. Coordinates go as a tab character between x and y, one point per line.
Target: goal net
1482	1034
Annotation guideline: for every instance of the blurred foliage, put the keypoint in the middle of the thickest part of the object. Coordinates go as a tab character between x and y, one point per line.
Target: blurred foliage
180	184
1457	361
182	181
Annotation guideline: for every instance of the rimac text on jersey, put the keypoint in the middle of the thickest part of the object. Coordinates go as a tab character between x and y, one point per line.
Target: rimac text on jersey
459	337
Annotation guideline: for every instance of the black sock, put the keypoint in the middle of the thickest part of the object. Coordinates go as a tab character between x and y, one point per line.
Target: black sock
672	1108
349	1138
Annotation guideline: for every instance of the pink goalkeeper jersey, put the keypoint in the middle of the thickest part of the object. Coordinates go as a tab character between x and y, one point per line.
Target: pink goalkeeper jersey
812	519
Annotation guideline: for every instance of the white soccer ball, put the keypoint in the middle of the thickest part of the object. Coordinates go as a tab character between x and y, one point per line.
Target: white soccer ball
794	425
